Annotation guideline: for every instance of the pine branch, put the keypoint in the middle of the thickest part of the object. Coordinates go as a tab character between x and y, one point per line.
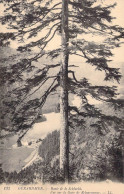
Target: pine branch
27	96
73	74
86	18
52	88
44	79
105	118
39	42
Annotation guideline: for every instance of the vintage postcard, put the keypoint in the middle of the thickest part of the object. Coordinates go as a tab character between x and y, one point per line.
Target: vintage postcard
62	96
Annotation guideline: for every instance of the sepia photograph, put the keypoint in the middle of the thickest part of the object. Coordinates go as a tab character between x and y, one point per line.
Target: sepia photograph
62	96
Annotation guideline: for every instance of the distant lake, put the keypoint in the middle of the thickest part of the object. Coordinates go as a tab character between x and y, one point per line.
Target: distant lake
13	157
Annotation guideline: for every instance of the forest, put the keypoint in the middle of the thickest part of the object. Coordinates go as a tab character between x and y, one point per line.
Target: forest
95	155
42	76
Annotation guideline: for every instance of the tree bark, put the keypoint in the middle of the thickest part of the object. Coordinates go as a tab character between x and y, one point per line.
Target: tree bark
122	138
64	131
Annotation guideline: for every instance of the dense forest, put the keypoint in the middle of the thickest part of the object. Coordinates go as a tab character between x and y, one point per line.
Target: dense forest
95	154
88	145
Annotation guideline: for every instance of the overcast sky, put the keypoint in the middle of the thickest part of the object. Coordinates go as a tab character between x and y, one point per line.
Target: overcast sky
88	71
118	12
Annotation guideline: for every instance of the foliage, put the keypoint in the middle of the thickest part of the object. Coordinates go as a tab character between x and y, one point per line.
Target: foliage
27	77
26	176
35	24
51	141
95	153
37	172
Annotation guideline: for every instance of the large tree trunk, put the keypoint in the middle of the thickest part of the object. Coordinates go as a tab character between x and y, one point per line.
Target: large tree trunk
122	138
64	132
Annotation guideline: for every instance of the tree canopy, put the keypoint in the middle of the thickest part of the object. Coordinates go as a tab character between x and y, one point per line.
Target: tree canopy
36	25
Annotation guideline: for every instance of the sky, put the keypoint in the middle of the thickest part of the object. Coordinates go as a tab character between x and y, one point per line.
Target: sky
118	12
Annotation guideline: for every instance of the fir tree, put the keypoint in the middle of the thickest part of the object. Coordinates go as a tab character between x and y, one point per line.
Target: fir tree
35	24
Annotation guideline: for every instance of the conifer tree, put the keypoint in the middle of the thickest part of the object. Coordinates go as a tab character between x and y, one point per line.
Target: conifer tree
34	24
